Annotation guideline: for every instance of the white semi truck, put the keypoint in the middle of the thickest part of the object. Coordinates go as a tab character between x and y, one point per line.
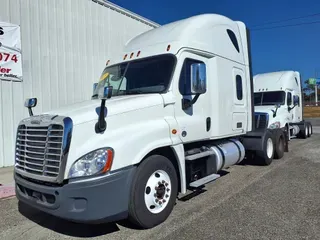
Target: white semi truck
278	103
166	116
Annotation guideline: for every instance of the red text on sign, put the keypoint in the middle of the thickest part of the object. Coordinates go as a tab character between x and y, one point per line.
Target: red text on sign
5	70
7	57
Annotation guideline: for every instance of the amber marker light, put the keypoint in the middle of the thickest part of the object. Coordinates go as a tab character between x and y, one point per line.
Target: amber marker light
174	131
108	165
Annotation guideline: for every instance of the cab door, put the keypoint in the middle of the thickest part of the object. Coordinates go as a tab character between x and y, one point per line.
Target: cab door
192	109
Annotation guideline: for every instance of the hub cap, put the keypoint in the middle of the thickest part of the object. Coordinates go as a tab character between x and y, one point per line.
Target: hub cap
157	191
269	148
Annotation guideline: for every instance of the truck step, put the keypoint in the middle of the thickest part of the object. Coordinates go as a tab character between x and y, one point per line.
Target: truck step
204	180
199	155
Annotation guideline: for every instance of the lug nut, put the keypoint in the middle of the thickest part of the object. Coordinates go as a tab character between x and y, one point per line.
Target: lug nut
155	195
164	200
168	189
166	184
157	200
160	202
167	195
163	181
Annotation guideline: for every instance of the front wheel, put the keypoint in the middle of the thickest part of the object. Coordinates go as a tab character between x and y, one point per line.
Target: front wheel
265	156
154	191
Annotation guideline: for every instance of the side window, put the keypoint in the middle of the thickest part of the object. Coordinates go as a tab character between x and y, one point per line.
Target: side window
239	87
296	100
233	39
289	99
187	74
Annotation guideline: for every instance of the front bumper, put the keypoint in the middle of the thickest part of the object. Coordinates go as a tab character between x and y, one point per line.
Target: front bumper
92	200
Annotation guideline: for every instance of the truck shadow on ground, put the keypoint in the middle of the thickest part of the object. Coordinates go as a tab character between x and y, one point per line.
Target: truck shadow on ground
70	228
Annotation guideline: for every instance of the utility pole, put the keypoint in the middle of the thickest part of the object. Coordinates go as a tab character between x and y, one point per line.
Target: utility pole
316	89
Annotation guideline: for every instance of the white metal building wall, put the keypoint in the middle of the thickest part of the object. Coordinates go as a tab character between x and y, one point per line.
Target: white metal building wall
65	45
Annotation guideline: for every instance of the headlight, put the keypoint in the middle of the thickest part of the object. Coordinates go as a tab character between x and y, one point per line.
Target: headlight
95	162
275	125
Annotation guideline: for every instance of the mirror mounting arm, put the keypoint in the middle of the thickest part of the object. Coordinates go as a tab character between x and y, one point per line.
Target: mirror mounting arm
101	125
187	103
30	111
290	108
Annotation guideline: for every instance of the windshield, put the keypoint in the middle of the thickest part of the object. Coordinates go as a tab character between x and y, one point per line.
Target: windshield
149	75
269	98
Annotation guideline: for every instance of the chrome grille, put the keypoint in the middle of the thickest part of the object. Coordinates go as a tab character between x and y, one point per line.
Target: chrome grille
39	149
261	120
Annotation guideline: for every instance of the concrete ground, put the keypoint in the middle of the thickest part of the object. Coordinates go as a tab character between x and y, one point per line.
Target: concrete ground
280	201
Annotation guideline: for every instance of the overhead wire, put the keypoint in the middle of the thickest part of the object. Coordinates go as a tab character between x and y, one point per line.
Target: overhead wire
283	26
286	20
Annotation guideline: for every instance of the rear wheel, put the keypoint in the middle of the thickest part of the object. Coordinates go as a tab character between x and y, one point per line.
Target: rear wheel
304	131
154	191
309	129
279	146
265	156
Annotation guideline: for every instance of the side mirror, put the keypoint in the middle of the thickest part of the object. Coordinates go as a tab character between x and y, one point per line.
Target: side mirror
198	78
30	103
107	92
94	87
295	101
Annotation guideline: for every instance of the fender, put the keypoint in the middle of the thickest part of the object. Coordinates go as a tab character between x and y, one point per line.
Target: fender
180	156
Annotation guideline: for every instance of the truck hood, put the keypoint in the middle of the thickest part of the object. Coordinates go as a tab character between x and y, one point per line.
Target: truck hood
265	109
88	110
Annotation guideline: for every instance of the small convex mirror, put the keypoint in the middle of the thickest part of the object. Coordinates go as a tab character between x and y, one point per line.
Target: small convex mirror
198	78
107	92
30	102
94	87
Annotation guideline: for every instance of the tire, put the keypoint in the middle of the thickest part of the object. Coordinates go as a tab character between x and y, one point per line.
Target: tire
279	146
265	156
309	129
149	189
303	132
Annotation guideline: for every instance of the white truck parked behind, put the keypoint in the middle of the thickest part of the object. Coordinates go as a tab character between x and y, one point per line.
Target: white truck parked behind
166	116
278	103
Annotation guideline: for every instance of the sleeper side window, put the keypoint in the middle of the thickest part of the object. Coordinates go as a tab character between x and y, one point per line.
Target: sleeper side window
239	87
233	39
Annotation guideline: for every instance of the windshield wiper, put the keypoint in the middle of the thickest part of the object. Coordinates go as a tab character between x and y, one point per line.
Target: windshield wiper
137	92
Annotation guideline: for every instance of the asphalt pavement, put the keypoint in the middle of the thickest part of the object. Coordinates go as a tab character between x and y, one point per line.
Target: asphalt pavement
280	201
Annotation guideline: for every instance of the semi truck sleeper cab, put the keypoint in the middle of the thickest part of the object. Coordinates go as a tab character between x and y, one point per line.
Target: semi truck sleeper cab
166	116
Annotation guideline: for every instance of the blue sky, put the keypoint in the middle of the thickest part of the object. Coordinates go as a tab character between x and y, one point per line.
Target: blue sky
291	48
